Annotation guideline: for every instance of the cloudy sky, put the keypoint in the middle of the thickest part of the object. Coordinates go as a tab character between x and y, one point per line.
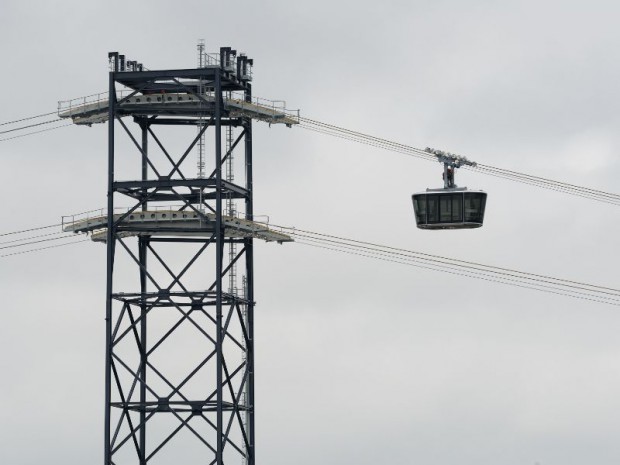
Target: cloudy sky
358	361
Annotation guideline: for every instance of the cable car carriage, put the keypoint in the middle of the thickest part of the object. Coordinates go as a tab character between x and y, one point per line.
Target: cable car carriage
452	207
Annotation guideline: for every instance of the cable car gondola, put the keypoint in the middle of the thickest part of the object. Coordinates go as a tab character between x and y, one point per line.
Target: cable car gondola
452	207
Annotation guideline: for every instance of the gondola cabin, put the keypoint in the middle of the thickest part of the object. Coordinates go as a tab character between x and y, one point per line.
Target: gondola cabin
449	208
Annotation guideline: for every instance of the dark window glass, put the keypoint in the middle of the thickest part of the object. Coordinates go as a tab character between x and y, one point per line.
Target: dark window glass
457	208
474	207
445	208
483	203
432	208
419	205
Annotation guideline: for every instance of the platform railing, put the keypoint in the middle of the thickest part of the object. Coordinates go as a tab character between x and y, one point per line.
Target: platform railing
93	102
276	107
100	213
211	59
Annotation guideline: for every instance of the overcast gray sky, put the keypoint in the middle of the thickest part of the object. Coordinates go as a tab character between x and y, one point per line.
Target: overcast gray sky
358	361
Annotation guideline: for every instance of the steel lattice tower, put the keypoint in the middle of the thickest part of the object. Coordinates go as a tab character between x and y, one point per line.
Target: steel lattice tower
179	380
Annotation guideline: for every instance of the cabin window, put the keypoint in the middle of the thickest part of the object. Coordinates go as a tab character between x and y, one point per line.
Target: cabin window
474	207
432	210
445	208
419	205
457	208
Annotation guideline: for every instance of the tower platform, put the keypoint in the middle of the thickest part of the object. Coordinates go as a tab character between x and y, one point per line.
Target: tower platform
94	108
170	223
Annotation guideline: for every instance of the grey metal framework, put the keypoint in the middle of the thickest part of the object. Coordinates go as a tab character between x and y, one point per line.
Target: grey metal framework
179	379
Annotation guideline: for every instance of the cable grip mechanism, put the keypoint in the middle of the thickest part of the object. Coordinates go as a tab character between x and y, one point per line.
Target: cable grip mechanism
450	161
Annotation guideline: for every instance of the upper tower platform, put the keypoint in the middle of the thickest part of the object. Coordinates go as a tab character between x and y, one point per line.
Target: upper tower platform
181	93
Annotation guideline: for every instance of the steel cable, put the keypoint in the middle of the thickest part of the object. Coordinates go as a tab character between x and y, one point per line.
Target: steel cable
465	268
473	271
36	132
500	175
546	289
43	248
39	228
33	242
35	237
336	131
31	126
28	118
462	263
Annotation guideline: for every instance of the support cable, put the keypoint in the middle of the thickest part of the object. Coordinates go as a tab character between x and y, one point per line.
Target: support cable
31	229
35	237
580	296
43	248
31	126
33	242
36	132
474	271
477	270
537	181
486	169
525	179
28	118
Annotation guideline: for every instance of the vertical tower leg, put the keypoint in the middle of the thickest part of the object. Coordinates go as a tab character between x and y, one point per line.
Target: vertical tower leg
219	268
142	254
249	247
109	273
